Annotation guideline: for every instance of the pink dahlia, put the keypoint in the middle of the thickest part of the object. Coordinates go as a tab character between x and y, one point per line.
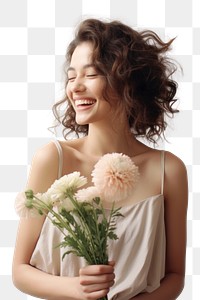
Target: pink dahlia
115	176
88	194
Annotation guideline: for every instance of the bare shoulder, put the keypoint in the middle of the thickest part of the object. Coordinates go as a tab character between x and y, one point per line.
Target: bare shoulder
46	151
44	168
176	179
174	166
46	156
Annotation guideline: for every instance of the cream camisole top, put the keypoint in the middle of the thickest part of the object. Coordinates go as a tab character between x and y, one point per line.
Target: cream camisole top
139	252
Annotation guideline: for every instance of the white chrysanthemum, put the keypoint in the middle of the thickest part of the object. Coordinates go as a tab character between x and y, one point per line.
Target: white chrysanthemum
21	209
64	204
71	182
44	197
115	176
88	194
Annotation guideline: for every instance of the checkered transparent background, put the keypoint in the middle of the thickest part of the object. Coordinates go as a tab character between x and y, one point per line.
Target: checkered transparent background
33	39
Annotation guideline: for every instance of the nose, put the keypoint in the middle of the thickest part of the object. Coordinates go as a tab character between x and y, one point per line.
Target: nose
77	85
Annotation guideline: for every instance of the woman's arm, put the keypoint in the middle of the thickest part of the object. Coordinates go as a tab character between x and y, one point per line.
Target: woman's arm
93	283
46	286
37	283
25	277
170	288
176	199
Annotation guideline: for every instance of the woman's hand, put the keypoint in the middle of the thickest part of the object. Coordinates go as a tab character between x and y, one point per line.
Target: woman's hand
95	281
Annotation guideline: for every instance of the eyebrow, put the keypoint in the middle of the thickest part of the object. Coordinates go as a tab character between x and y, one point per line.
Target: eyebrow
84	67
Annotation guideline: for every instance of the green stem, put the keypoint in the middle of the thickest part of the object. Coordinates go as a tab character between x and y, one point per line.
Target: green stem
40	204
43	205
109	221
84	225
110	216
94	255
102	250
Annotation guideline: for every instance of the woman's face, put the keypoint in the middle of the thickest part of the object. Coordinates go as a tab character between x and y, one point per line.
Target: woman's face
85	87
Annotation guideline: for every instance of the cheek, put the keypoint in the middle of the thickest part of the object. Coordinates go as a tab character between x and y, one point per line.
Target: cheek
98	87
99	91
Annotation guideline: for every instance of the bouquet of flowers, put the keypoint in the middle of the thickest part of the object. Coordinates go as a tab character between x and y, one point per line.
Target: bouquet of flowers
86	217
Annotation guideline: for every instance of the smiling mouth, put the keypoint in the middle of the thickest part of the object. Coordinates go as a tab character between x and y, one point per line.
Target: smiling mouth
84	102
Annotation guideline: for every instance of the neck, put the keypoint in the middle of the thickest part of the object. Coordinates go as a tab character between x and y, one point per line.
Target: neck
102	140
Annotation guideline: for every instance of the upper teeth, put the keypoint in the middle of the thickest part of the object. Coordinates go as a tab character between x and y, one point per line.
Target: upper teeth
84	101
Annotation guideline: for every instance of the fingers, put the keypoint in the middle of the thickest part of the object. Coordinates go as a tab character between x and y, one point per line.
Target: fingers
91	288
95	295
96	280
97	274
96	270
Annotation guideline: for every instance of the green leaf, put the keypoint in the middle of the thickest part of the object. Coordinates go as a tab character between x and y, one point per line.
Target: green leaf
69	252
112	235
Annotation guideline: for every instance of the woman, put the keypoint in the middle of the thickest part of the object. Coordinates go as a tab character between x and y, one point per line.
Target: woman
118	88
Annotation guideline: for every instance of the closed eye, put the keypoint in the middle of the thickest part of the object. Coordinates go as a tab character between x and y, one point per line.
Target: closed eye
91	75
71	78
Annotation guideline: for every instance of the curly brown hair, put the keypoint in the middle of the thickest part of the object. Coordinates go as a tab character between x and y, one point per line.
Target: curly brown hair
136	67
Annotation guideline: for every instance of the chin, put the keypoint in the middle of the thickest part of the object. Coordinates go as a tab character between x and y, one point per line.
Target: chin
81	122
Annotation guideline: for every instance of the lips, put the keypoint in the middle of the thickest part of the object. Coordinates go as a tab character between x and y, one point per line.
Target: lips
84	102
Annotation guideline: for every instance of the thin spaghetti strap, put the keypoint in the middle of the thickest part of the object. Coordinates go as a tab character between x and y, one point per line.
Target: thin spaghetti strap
162	170
60	157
